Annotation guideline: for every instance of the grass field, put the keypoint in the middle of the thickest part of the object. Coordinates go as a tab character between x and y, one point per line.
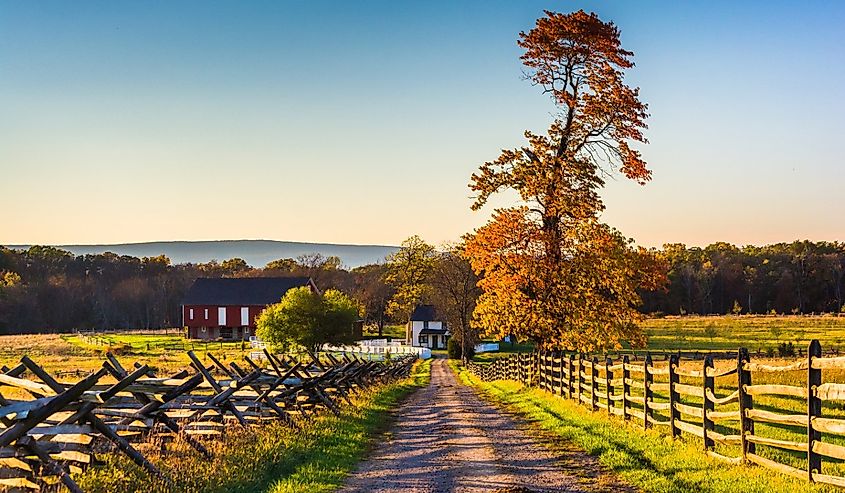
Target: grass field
726	333
753	332
395	331
270	458
647	459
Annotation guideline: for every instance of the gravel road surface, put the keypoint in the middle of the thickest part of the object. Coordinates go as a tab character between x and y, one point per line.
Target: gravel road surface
447	439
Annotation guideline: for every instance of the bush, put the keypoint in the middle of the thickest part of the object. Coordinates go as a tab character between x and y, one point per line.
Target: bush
786	349
453	348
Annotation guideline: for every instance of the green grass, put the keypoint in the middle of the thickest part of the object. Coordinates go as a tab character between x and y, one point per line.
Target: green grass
270	458
396	331
150	344
646	459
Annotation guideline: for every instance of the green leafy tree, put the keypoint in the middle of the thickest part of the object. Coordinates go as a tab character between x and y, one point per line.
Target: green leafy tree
408	270
234	266
307	319
283	265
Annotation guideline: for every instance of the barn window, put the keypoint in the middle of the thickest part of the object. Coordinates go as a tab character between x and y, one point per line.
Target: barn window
191	314
423	339
206	313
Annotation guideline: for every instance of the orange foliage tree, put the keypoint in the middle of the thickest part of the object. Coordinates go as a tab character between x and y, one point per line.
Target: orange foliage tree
552	272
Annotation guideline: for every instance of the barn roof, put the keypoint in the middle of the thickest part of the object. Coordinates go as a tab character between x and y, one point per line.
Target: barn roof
242	290
424	313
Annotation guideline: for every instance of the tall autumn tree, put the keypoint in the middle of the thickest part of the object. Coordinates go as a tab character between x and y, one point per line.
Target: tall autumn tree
454	291
552	271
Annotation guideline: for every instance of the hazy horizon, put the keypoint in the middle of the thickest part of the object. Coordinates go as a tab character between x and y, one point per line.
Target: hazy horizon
341	123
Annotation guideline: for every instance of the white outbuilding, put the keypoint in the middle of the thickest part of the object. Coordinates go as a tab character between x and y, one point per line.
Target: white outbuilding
425	329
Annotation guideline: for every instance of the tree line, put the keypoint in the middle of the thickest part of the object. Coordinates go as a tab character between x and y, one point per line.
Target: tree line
785	278
46	289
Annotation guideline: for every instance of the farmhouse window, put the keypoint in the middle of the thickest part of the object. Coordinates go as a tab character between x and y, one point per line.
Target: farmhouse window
423	339
425	324
190	313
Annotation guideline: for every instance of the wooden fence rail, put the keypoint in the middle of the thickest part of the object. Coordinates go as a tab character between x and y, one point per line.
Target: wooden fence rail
56	431
713	403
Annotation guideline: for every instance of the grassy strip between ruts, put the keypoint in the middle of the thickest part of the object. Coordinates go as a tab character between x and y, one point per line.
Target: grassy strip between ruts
646	459
270	458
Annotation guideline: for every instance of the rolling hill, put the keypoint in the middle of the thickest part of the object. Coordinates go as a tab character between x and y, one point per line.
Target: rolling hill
256	252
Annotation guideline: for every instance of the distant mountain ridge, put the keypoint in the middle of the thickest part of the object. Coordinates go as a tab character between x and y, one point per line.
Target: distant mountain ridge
256	252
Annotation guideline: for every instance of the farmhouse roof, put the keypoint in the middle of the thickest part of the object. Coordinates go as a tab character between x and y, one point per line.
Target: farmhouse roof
423	313
242	290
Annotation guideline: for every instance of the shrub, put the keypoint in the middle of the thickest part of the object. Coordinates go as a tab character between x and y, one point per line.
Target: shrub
453	348
786	349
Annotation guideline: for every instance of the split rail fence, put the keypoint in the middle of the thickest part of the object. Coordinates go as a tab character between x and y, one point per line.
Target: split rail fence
714	400
58	428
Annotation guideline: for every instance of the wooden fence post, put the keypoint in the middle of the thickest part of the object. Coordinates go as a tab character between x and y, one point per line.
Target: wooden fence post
594	374
674	414
814	408
647	394
570	364
560	371
523	367
707	423
608	388
626	387
746	402
539	358
579	380
543	379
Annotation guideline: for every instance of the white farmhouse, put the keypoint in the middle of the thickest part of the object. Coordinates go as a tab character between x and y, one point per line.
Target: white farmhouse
425	330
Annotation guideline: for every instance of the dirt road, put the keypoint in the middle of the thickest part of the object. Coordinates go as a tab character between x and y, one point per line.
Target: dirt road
447	439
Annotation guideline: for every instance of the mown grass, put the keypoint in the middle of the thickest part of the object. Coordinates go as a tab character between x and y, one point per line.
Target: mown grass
753	332
395	331
269	458
647	459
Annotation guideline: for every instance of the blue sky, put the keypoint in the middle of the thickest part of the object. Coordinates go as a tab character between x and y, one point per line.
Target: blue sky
355	122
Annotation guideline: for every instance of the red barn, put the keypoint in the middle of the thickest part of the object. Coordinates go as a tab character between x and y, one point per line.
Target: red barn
226	308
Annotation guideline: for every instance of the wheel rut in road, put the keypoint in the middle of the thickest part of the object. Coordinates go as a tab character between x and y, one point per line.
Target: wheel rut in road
447	439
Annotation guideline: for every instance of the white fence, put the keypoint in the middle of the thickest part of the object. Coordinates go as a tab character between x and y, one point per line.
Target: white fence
486	347
381	343
380	352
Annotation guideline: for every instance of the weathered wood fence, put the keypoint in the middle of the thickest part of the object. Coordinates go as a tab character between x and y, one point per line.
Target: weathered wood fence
679	398
59	427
